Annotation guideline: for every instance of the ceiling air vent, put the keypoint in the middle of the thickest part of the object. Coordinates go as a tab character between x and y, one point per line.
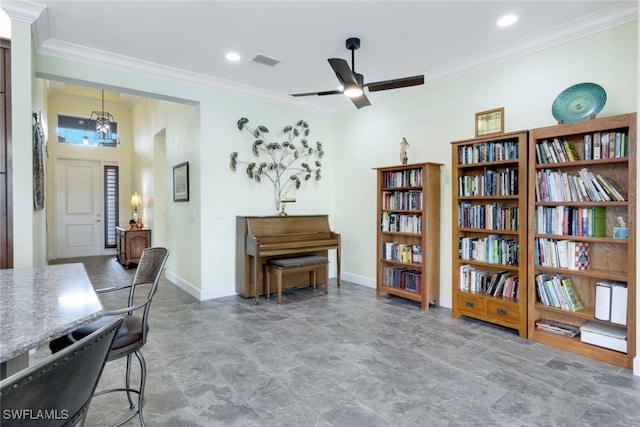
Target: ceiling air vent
266	60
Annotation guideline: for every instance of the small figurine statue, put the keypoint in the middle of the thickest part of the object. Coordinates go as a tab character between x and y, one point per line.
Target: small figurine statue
132	224
403	151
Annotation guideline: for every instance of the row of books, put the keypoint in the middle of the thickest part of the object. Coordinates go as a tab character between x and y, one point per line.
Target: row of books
402	252
405	200
565	220
401	278
490	216
604	145
597	145
557	291
491	183
488	151
558	328
562	254
584	186
556	151
492	249
401	223
503	283
403	178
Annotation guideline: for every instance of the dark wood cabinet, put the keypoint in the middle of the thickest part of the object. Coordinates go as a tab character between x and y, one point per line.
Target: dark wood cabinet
130	244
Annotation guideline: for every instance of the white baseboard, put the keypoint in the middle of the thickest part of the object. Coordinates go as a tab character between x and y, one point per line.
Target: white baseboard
197	293
231	290
359	280
446	302
636	366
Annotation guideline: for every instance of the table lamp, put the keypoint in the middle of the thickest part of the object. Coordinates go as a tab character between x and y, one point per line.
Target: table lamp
136	202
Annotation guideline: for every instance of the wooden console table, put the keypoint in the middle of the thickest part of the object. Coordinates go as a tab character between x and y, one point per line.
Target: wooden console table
130	244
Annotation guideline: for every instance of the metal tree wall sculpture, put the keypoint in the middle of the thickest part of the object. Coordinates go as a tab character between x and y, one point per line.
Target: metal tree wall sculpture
285	164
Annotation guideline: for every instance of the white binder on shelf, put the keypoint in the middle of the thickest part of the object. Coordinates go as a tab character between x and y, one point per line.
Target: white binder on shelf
619	303
603	301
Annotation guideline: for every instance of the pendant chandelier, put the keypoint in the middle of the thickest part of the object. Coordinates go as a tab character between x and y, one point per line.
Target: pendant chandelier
105	128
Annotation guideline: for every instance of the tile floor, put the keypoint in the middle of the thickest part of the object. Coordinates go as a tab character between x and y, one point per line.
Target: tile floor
350	359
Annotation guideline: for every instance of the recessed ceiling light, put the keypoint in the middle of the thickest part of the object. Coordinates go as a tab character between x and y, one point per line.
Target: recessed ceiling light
507	20
232	56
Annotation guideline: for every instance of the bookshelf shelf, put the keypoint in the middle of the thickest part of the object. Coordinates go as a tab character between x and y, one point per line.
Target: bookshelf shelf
609	260
502	182
408	261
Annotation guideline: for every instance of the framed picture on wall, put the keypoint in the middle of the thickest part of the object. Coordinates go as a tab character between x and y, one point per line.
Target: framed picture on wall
181	182
490	122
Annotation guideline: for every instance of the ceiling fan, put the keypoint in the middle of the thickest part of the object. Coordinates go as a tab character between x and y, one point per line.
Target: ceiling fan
353	83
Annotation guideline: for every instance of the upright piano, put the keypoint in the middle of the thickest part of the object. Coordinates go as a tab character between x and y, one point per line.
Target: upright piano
260	238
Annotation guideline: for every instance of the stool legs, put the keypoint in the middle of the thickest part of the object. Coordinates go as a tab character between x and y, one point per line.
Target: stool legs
279	279
326	279
267	273
129	390
313	277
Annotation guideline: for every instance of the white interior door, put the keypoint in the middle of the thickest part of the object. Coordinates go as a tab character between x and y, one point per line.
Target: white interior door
78	208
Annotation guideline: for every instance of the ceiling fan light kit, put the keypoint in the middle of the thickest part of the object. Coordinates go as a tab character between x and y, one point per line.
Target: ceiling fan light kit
353	91
353	83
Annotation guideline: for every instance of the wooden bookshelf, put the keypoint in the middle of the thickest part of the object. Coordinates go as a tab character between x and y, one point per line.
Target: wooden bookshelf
609	258
408	232
490	229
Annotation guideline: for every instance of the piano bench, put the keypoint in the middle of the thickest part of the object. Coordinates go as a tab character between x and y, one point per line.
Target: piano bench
311	263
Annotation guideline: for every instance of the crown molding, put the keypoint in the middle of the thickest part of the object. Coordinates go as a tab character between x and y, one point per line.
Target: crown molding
23	11
30	13
571	30
589	24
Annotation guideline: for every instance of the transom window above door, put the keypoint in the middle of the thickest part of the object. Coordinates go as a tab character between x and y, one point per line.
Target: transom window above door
82	131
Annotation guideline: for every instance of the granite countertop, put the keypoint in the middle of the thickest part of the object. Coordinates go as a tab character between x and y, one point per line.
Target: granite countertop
42	303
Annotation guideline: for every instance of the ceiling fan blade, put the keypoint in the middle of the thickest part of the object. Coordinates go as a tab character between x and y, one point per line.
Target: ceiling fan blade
360	101
326	92
342	70
395	83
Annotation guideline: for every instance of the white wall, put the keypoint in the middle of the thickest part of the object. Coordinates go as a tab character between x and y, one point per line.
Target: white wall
180	127
227	194
203	132
432	117
356	142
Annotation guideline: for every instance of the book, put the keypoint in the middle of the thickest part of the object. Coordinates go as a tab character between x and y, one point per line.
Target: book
619	296
610	186
599	221
557	284
572	297
604	145
618	145
601	191
588	146
559	147
582	255
596	146
591	189
540	286
571	151
553	294
385	221
557	328
495	280
602	309
612	144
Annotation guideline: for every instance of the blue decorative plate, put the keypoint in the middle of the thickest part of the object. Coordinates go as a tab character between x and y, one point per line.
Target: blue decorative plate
579	102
